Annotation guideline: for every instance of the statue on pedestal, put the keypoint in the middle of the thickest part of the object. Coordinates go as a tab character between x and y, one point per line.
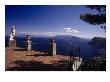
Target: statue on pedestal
52	47
12	42
28	43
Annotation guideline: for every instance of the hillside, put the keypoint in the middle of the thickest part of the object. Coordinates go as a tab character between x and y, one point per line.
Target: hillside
98	42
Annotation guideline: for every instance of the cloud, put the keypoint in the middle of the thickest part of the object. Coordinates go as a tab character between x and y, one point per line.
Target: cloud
67	31
67	28
41	33
70	30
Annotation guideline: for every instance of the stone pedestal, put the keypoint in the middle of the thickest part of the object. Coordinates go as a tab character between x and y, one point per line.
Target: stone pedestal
52	48
12	44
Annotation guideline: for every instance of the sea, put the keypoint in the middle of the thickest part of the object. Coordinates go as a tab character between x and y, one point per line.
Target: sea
63	45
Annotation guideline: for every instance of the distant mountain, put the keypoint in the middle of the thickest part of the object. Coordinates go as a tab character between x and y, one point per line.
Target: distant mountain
67	40
98	42
65	37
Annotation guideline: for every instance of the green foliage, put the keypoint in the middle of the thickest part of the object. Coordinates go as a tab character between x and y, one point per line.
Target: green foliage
95	19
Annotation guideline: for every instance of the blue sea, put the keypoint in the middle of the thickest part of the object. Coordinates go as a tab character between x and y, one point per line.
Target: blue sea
64	45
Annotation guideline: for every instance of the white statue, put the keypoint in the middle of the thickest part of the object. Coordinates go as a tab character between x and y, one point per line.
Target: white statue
29	45
11	37
13	30
28	42
12	33
76	64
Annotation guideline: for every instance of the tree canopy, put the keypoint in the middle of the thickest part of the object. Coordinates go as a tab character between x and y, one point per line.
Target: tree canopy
95	19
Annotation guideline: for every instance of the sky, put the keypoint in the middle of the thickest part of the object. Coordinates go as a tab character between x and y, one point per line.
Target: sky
50	20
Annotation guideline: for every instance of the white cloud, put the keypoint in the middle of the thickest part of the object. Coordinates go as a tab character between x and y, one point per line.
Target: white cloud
70	30
67	28
67	31
41	33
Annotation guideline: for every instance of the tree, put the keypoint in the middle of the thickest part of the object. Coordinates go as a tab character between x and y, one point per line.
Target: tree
95	19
